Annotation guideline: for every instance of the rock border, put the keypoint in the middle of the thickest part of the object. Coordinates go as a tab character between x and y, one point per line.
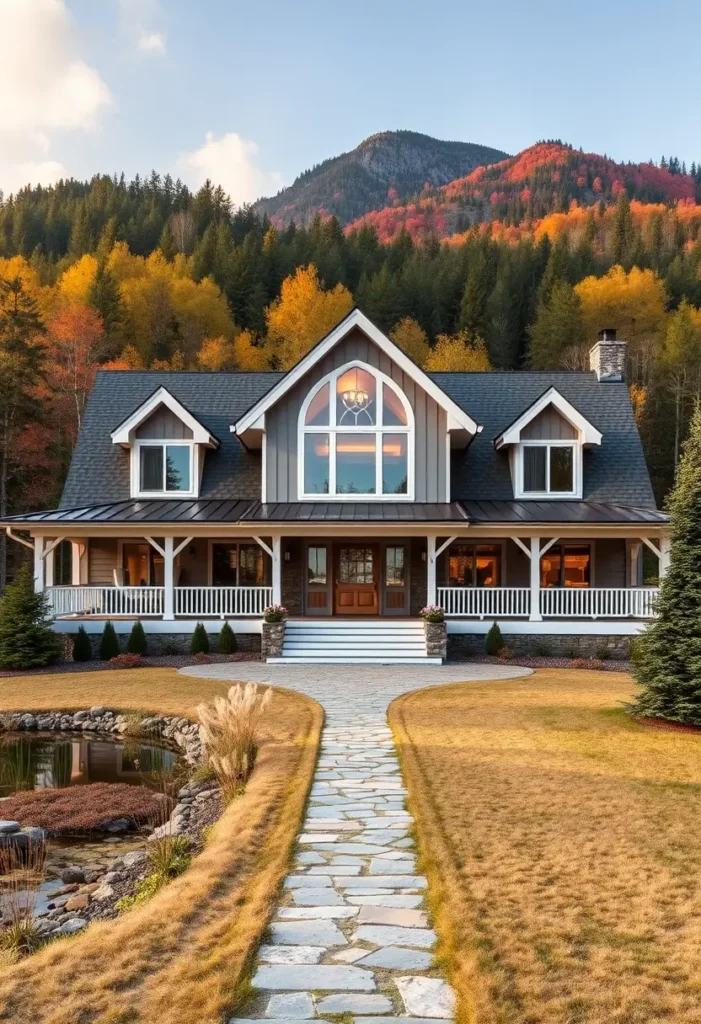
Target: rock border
87	894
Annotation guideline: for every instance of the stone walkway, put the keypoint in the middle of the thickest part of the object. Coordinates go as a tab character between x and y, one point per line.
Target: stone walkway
351	935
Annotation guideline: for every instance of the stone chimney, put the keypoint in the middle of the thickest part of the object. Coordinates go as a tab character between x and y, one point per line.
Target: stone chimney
607	358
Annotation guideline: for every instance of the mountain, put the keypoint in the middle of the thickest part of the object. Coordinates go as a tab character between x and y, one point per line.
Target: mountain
547	178
389	166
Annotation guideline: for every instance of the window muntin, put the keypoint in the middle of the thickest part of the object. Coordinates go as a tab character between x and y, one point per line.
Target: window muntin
164	468
549	468
474	565
566	565
357	457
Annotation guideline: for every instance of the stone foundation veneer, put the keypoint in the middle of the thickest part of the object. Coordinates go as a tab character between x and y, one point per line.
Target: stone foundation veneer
584	645
173	643
272	639
436	639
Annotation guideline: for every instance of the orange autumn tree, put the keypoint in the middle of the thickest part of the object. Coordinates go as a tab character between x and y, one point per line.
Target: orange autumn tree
248	355
458	352
72	349
302	315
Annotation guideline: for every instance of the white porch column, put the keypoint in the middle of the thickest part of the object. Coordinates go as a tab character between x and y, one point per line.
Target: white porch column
664	556
535	615
277	570
76	547
39	565
634	549
50	568
168	596
430	570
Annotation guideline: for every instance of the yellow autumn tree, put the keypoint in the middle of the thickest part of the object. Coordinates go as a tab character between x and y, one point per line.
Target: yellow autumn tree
458	352
75	283
302	315
247	355
634	303
216	354
411	338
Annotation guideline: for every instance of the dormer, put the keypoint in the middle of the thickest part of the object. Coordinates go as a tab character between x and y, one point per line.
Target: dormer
166	445
546	445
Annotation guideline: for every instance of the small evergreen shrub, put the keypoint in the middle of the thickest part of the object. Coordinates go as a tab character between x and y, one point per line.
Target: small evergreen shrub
604	653
543	649
109	644
82	651
136	644
227	640
27	639
494	641
199	644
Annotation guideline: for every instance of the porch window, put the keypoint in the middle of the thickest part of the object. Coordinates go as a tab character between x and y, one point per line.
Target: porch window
566	565
238	565
548	469
316	566
142	565
394	566
474	565
165	468
367	447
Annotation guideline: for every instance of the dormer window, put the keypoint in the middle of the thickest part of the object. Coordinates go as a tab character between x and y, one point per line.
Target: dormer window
167	447
165	468
356	431
548	469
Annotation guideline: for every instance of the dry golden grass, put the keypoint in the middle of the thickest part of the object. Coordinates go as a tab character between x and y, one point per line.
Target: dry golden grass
563	845
184	957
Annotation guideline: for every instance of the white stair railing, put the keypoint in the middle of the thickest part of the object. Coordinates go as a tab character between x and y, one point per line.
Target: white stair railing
222	601
105	601
598	602
485	602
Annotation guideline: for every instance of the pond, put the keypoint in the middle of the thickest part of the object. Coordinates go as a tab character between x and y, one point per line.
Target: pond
56	760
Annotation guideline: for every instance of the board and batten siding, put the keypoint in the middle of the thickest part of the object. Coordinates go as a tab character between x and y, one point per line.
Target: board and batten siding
164	425
282	421
549	425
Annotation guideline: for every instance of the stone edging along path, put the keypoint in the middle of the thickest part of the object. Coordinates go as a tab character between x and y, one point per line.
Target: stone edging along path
352	934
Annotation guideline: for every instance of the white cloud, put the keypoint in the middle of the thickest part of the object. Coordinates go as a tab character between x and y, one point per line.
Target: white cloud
138	17
45	88
231	162
152	42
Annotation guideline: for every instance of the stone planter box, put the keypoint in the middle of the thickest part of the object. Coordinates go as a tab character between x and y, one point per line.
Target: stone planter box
436	639
272	639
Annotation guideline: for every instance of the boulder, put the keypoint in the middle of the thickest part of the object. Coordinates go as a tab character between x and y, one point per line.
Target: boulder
72	873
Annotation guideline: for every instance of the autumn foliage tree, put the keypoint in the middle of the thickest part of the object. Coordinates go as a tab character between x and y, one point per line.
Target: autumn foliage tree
412	339
458	352
302	315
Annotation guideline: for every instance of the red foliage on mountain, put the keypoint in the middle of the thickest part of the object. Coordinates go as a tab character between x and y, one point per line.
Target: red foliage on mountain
542	180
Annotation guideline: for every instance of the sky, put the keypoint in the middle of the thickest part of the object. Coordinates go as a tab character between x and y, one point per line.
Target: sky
250	94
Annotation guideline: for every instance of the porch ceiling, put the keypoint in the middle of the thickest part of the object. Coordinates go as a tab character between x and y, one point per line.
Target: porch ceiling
244	512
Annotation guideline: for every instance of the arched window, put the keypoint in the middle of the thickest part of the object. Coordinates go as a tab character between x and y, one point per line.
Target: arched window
356	437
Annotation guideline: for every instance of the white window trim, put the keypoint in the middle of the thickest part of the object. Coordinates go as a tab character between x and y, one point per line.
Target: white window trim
192	492
377	430
577	471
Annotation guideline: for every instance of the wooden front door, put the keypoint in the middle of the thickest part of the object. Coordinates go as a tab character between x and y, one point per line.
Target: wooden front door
356	585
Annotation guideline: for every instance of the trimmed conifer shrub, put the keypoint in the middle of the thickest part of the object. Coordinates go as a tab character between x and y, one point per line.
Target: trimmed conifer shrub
494	641
109	644
227	640
136	644
27	639
82	650
199	644
667	662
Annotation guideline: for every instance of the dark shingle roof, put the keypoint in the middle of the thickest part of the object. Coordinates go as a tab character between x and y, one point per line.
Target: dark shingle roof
614	473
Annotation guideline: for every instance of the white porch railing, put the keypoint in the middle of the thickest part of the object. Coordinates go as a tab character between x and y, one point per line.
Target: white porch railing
222	601
141	601
554	603
598	602
485	602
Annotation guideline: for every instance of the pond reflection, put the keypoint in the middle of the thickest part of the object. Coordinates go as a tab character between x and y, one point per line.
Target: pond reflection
54	761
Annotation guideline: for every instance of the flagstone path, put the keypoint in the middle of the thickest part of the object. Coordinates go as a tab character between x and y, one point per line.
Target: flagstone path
352	935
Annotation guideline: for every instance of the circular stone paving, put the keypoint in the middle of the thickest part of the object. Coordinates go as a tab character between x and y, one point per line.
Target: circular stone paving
352	935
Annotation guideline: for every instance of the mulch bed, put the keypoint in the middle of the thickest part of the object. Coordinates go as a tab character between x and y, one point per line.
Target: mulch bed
80	810
609	665
154	661
660	723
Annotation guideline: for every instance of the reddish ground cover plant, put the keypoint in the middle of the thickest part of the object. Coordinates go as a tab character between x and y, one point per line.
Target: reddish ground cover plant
125	661
78	810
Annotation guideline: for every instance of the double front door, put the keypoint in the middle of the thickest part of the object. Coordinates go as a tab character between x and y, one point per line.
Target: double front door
357	578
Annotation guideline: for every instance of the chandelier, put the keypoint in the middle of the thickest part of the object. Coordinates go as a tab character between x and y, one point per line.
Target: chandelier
356	403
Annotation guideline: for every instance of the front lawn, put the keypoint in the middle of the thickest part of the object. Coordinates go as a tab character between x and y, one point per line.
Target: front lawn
183	957
563	847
